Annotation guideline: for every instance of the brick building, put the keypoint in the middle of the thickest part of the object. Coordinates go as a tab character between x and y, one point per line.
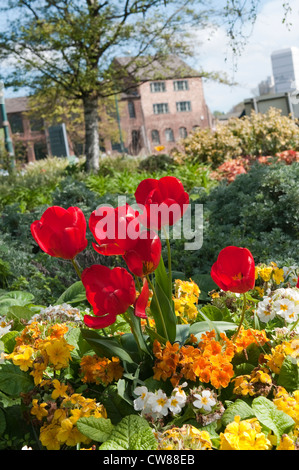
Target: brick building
29	136
164	102
166	105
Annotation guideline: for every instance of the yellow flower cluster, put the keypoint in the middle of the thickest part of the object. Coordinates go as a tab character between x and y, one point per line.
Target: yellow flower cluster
37	350
187	437
259	382
278	354
185	300
60	426
269	273
244	435
100	369
289	403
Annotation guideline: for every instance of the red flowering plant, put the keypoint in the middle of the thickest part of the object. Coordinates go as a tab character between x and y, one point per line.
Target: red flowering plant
143	287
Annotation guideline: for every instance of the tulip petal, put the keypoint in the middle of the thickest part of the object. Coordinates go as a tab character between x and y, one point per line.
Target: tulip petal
142	301
99	322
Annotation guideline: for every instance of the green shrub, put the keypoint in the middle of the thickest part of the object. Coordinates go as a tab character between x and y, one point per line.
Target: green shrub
254	135
259	210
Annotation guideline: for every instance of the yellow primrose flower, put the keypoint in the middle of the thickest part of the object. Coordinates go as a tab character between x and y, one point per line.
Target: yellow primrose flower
286	443
58	351
260	291
59	389
48	436
39	410
244	435
265	273
22	357
278	275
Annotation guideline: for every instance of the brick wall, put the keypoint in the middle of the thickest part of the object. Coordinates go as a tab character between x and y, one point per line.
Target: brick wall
147	121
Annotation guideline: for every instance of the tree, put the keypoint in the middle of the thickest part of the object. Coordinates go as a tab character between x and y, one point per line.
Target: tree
52	107
71	44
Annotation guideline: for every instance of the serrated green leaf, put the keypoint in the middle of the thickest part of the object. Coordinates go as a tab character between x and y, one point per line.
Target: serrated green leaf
132	433
272	418
238	408
97	429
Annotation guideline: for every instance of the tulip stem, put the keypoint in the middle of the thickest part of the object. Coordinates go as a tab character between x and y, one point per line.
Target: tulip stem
169	262
242	317
158	306
76	266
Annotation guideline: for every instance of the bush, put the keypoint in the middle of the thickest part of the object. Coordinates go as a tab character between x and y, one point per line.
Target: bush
258	210
254	135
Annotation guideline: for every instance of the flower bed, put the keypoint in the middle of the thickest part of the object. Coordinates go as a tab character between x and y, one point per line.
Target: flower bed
132	359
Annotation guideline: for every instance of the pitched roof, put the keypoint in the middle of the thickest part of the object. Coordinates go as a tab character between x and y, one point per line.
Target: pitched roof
147	68
16	105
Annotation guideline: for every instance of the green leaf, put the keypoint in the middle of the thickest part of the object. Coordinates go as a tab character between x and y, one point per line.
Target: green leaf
14	381
97	429
14	298
8	341
161	278
168	313
272	418
132	433
289	375
106	346
73	295
182	333
17	313
238	408
219	326
116	407
75	338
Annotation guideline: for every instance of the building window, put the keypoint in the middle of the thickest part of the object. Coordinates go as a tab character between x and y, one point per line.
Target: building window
136	141
155	137
183	132
157	87
16	123
169	135
161	108
131	108
182	106
180	85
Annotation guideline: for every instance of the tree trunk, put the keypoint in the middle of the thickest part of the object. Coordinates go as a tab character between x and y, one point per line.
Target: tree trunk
92	143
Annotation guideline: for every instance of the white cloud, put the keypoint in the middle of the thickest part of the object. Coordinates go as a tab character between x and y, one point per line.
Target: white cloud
254	65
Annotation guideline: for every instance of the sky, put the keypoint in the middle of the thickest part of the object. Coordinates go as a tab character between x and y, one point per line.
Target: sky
254	65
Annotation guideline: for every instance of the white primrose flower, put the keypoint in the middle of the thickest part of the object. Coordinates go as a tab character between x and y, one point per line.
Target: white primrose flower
143	393
158	403
205	400
264	310
177	401
286	309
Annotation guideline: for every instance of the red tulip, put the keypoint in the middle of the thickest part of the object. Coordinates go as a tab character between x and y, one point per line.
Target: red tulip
115	230
164	201
61	232
110	292
234	270
297	285
144	257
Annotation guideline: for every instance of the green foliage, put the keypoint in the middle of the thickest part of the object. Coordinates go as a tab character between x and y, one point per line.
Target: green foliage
258	210
257	134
